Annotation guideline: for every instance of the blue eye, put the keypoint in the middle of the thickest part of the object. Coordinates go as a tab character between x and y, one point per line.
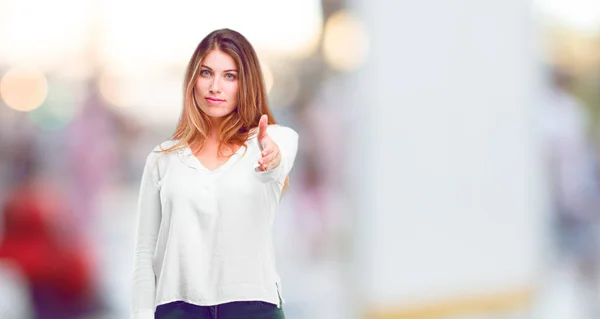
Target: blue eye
229	76
205	73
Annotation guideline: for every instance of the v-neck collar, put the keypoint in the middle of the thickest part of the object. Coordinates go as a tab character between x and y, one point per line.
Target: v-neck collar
188	157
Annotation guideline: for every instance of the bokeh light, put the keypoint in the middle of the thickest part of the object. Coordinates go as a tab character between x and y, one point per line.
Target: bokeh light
23	89
109	86
345	41
57	111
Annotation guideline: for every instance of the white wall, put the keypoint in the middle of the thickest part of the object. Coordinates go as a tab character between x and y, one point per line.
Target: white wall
450	192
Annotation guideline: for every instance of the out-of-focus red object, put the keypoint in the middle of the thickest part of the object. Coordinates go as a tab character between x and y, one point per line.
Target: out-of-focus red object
55	265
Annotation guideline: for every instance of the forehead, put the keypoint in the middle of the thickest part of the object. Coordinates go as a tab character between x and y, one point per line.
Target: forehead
219	60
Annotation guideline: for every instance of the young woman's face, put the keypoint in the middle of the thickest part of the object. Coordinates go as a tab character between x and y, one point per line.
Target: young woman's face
217	85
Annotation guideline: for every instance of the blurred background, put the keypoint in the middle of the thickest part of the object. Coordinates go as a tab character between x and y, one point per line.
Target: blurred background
448	161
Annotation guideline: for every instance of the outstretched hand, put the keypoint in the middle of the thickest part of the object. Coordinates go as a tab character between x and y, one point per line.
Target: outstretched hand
270	155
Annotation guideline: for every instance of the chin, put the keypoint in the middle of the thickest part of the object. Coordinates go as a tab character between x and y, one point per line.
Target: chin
212	113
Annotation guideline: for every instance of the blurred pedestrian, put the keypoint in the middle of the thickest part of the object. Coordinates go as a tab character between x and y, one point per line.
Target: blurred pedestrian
55	265
573	177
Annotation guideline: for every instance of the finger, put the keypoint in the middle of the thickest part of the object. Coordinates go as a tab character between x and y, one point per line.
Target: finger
270	161
262	127
264	159
266	143
267	151
267	159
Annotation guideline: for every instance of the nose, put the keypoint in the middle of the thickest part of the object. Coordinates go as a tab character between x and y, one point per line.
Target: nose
214	86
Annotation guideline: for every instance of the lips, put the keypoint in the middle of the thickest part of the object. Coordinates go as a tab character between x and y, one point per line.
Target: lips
214	100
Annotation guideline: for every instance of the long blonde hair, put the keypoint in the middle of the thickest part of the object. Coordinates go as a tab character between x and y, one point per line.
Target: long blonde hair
194	125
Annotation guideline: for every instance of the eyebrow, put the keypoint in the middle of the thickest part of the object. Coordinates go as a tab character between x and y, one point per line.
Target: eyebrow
230	70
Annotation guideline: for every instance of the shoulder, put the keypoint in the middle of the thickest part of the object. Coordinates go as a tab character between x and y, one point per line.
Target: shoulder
165	145
282	134
162	149
278	132
283	131
275	130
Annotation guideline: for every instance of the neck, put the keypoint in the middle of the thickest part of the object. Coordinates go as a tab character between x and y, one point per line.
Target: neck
214	131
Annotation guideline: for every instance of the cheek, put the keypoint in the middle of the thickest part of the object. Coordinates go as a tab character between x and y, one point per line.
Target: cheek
200	84
233	91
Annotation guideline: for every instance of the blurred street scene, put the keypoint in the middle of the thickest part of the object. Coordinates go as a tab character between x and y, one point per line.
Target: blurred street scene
448	165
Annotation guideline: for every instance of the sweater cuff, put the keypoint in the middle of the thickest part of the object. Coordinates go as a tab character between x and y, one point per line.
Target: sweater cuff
274	174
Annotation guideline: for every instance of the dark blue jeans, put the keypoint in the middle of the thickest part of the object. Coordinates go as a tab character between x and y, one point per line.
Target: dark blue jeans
230	310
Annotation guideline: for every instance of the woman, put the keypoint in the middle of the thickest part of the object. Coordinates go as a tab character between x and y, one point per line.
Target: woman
209	195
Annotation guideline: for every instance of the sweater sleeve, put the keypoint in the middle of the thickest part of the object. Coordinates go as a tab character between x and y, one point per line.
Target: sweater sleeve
287	141
147	226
